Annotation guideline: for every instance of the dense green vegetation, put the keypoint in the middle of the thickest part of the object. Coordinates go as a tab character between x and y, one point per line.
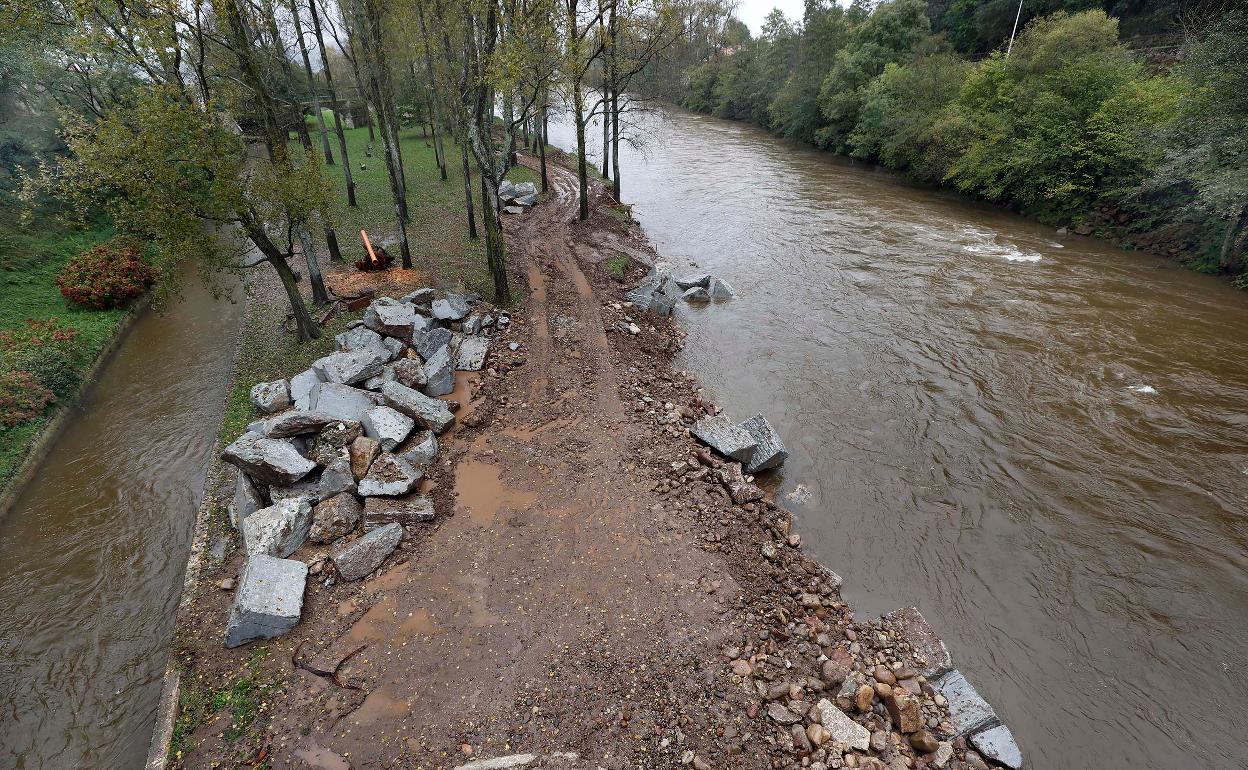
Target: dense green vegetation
1065	123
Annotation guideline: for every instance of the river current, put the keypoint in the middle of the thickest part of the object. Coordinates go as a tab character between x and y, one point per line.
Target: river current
1037	439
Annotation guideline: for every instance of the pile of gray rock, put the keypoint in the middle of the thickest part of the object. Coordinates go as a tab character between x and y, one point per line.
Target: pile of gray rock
516	198
340	457
754	444
660	290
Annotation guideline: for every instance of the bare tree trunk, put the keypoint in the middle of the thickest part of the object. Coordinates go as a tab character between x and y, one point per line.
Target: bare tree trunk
614	112
472	219
543	140
342	137
307	69
317	280
305	326
494	256
582	170
438	151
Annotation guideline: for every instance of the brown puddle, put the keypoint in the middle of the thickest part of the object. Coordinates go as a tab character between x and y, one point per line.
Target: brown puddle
322	759
378	705
390	578
480	489
462	392
371	625
418	622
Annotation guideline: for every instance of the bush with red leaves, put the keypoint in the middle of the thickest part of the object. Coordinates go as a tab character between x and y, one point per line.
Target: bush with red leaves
22	398
106	276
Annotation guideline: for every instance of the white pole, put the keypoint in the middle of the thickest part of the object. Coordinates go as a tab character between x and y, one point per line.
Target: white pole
1015	30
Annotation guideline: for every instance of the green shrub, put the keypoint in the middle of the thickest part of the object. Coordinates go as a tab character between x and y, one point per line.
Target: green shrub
106	276
46	350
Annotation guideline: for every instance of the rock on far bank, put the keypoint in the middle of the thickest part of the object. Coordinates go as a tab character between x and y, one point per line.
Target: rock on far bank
269	600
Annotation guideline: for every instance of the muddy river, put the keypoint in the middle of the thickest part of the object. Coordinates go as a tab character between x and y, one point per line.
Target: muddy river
93	553
1039	440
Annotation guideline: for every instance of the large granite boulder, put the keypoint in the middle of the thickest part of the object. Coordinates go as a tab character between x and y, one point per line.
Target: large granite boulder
409	510
342	402
269	600
725	437
296	423
359	559
451	308
390	317
278	530
430	341
268	460
770	451
357	338
335	518
337	478
693	280
418	297
388	426
271	397
439	373
247	498
471	354
353	366
301	389
421	449
429	413
696	295
389	475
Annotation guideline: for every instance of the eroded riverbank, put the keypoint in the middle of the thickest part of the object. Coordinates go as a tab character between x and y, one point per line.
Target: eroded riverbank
1037	439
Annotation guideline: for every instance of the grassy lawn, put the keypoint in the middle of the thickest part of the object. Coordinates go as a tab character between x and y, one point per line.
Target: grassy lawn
30	259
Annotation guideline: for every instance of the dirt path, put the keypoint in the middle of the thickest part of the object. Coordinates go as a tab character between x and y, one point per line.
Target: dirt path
588	585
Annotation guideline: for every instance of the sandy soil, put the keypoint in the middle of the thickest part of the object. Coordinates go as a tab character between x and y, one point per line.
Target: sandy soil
588	585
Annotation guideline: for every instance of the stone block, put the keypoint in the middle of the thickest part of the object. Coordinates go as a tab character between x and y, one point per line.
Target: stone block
429	413
997	744
269	600
388	426
409	510
272	396
268	460
725	437
389	475
769	452
360	558
278	530
968	712
471	354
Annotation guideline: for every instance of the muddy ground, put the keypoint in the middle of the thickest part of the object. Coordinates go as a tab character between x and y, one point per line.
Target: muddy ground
588	585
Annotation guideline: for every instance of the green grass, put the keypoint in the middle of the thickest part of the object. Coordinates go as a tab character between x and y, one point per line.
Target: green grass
30	259
438	231
243	698
520	174
617	266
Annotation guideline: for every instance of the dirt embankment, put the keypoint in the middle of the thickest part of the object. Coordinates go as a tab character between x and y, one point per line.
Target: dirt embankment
588	585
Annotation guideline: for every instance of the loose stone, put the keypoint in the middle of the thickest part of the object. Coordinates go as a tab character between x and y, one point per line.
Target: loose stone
407	511
387	426
267	460
389	475
272	396
278	530
362	557
269	600
335	518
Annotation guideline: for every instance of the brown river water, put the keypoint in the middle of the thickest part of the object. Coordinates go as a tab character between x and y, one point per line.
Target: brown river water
93	553
1038	440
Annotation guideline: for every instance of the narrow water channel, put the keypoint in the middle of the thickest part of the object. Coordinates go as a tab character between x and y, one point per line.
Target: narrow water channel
93	553
1038	440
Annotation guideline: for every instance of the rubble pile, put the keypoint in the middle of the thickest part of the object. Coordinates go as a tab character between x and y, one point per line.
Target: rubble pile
340	456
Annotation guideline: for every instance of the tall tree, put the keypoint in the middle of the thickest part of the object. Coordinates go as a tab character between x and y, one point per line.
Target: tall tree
333	103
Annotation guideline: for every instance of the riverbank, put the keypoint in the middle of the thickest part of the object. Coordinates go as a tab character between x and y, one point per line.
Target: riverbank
29	275
587	585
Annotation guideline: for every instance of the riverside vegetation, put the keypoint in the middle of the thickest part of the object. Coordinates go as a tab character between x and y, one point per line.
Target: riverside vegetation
1067	122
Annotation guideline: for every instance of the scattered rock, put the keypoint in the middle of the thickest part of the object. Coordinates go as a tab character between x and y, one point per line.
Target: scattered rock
271	397
361	558
278	530
782	715
452	308
841	728
997	743
301	389
410	510
269	600
335	518
418	297
903	708
409	372
357	338
694	280
333	439
924	742
725	437
387	426
308	488
696	295
471	354
268	460
389	475
770	451
944	753
968	712
719	289
421	449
